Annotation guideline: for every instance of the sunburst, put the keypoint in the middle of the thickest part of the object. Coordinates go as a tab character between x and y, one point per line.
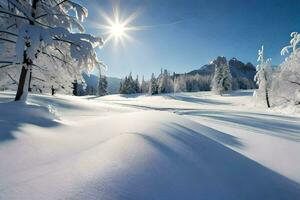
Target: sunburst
116	28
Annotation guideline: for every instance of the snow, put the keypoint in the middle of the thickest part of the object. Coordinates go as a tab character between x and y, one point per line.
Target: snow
174	146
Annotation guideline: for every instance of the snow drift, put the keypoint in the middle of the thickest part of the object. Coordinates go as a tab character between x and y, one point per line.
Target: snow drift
134	155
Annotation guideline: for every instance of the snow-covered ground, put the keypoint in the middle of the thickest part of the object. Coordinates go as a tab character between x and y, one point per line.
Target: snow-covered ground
182	146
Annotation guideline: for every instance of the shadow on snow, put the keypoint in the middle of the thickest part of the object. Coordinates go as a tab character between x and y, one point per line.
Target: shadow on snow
16	114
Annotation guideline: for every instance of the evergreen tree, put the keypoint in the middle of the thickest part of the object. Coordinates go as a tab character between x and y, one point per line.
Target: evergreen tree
222	78
180	83
137	85
153	87
144	86
75	88
128	86
102	86
227	77
121	87
165	82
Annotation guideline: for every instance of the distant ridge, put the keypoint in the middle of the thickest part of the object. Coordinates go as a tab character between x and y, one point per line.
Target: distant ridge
243	74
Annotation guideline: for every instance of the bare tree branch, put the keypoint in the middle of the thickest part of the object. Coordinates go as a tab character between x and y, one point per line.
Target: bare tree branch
15	82
39	79
34	65
7	32
12	14
8	40
61	3
295	82
7	65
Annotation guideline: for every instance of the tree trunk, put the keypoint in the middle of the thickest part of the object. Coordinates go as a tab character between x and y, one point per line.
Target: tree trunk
266	89
21	85
26	62
30	76
267	98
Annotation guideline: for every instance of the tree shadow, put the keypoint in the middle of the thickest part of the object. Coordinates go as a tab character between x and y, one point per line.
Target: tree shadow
16	114
214	134
192	99
275	125
202	168
56	101
239	93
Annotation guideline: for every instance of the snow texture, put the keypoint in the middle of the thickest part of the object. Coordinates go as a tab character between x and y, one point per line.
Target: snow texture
175	146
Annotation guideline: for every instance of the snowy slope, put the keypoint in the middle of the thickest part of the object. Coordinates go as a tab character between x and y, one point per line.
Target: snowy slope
183	146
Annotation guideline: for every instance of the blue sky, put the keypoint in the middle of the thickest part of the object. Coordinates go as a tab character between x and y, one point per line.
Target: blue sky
183	35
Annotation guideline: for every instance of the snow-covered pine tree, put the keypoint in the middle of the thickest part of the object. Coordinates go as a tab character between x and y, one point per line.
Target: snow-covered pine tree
180	83
221	81
128	86
227	77
131	87
121	87
263	77
153	87
137	85
40	29
102	85
75	88
144	86
165	83
217	80
78	88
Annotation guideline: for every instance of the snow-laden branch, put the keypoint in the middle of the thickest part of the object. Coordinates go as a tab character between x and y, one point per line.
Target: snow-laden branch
44	32
293	43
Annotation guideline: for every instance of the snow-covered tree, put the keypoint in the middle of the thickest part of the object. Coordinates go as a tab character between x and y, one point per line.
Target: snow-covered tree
128	86
263	77
165	82
137	85
286	84
222	79
180	83
78	88
153	87
144	86
36	32
102	85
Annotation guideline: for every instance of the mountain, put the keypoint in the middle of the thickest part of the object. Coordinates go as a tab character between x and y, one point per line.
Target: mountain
113	83
242	74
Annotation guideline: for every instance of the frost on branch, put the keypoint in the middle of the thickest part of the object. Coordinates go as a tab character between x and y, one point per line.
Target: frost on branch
286	87
263	78
34	39
293	44
48	36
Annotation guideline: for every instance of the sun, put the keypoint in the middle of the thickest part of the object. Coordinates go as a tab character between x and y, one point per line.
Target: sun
117	28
